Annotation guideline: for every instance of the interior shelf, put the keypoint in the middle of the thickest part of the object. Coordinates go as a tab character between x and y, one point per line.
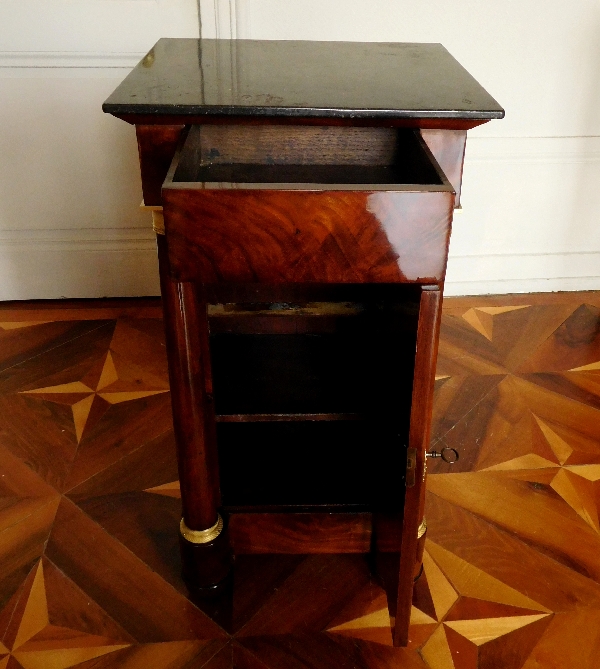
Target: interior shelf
310	464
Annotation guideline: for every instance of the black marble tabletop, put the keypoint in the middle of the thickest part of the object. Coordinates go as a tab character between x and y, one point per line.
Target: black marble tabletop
303	79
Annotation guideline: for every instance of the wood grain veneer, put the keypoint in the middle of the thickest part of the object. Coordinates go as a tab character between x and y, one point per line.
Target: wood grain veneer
304	236
300	533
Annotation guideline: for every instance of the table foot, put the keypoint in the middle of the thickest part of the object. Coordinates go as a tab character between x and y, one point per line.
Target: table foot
206	558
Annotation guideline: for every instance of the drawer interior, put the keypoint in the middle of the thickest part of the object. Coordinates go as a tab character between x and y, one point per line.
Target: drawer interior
282	154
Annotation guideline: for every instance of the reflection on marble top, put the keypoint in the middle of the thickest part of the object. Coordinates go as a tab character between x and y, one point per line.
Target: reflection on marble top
300	79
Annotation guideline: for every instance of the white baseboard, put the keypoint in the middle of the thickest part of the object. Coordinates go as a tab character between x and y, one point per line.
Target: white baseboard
54	264
522	273
510	286
79	239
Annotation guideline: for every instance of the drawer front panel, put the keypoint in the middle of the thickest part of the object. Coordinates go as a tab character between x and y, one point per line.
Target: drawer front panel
281	236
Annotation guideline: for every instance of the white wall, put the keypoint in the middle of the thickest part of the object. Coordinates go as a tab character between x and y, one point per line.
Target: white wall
70	224
69	186
531	191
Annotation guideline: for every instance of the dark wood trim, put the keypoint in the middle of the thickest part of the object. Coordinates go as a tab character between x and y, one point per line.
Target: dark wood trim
176	119
156	148
300	533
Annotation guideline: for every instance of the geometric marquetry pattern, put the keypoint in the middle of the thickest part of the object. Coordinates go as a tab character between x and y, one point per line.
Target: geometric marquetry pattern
471	619
106	390
89	508
36	639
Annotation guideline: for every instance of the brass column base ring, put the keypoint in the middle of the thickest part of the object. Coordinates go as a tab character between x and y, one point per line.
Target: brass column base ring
201	536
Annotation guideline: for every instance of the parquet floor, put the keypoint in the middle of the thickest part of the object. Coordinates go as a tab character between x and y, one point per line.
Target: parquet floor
89	566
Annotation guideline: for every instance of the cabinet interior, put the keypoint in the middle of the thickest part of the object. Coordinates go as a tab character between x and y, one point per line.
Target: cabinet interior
313	399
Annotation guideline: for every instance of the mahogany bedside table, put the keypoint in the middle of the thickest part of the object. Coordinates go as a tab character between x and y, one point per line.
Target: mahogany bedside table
302	195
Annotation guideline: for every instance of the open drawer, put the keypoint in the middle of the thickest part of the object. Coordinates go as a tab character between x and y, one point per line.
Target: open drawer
304	204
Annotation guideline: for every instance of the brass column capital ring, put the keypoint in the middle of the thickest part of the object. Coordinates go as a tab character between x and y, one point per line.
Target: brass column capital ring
201	536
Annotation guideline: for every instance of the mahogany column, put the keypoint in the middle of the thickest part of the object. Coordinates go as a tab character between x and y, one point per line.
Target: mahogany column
206	556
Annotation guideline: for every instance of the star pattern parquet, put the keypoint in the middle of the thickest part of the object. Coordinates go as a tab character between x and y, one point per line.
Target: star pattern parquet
89	507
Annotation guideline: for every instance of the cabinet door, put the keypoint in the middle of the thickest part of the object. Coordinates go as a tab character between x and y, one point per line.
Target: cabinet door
400	534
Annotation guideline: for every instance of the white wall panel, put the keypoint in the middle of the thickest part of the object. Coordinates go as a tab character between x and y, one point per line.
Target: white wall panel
69	186
103	26
64	163
70	223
